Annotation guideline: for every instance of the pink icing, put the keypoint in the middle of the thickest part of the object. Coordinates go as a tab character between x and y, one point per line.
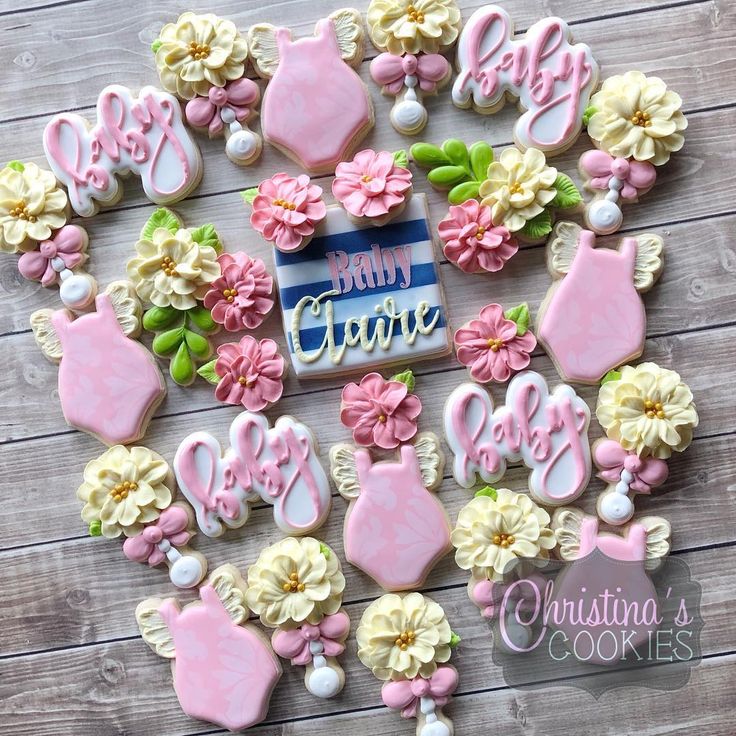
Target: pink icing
390	71
478	348
471	248
330	632
396	530
67	244
250	292
108	383
286	209
632	547
371	185
638	177
144	135
171	526
380	412
612	460
380	267
240	96
598	296
251	373
224	673
316	106
405	695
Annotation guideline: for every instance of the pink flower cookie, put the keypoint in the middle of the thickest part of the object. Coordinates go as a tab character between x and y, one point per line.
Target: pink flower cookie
472	242
496	344
286	210
242	297
248	372
381	413
373	186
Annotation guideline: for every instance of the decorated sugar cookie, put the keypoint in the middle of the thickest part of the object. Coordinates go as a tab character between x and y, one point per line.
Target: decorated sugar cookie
406	641
172	272
109	384
395	529
315	108
286	210
34	211
636	123
361	296
374	187
552	77
296	587
223	668
599	289
142	134
128	491
547	432
603	562
647	413
496	344
278	465
201	58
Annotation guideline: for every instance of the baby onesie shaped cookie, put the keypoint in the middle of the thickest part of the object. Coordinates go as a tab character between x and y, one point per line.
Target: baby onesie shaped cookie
142	134
547	432
109	384
315	108
395	529
598	290
223	668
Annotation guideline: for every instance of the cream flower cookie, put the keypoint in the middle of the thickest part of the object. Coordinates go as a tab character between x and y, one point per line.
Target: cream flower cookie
198	52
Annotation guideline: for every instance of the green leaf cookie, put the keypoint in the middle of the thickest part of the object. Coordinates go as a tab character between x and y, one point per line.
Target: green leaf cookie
538	227
487	491
162	217
249	195
207	371
197	344
165	343
406	377
202	319
567	193
401	159
206	235
520	315
446	177
160	318
181	368
462	192
457	152
429	156
481	157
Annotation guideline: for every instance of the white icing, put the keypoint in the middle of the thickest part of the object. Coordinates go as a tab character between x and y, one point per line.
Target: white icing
76	291
324	682
408	115
604	216
227	114
242	145
186	572
615	507
58	264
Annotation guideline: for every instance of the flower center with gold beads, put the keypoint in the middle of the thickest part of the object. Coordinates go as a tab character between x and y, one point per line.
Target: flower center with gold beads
503	539
495	344
292	585
404	641
121	490
21	212
654	409
641	119
199	51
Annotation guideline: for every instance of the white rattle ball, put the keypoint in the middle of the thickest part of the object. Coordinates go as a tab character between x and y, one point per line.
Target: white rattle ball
436	728
186	572
409	116
77	291
604	216
324	682
242	146
615	508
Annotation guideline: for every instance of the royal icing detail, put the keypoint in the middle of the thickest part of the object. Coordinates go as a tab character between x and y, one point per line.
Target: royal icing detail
410	659
279	465
552	77
109	384
315	108
142	134
223	668
360	297
547	432
296	586
599	289
395	529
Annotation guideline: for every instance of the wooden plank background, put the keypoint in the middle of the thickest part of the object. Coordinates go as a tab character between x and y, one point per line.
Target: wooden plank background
71	661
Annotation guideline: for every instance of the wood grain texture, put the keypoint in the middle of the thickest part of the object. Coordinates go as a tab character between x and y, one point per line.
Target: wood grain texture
71	661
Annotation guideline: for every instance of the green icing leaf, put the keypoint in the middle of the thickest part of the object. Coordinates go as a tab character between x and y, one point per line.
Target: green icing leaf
429	156
462	192
162	217
95	528
588	114
611	376
202	319
156	45
457	152
160	318
181	368
454	639
401	159
567	193
325	550
481	157
249	194
487	491
207	371
166	343
198	345
446	177
206	235
406	377
520	315
16	165
538	227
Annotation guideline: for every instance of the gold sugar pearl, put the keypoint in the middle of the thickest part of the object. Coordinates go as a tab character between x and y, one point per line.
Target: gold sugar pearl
366	178
286	205
495	344
503	539
641	119
292	585
230	294
405	640
120	491
382	418
168	266
480	232
516	188
654	409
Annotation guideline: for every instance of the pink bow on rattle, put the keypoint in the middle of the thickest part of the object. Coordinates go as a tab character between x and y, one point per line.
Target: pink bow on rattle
638	177
612	460
294	644
239	96
390	70
171	526
406	694
66	244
